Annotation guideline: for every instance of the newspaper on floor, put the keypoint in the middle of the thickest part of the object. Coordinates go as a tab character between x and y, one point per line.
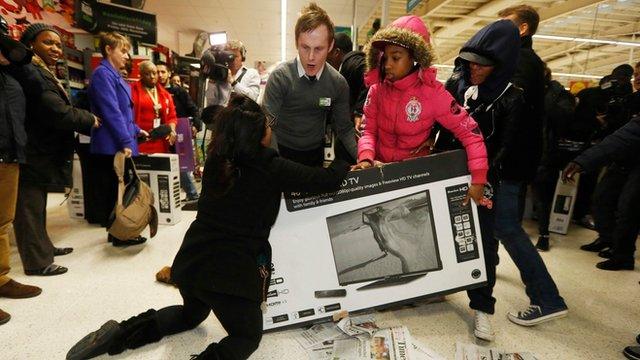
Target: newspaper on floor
422	352
315	336
358	325
475	352
384	344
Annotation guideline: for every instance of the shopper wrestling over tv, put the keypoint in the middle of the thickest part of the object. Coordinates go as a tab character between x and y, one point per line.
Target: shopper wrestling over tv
405	101
224	261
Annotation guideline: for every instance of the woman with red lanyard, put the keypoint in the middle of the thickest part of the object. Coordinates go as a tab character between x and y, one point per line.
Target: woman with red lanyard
152	107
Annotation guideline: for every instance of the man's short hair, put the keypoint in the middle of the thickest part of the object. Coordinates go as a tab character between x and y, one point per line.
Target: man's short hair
112	39
525	14
624	71
343	42
311	17
237	45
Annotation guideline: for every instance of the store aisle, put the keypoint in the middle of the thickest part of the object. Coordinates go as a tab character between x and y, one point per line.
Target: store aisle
104	283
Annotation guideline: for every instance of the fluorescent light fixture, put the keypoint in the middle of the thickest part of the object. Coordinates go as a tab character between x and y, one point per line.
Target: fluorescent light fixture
283	30
587	40
587	76
218	38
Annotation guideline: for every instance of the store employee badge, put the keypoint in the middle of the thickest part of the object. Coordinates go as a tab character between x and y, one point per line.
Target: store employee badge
325	102
413	109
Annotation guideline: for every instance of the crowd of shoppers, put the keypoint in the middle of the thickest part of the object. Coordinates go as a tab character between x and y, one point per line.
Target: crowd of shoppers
383	105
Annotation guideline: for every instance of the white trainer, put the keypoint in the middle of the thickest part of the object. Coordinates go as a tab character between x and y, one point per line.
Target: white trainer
483	329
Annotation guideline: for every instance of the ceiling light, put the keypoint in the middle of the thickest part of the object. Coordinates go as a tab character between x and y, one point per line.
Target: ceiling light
587	76
587	40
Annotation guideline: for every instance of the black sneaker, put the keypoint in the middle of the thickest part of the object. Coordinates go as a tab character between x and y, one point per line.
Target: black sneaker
615	265
543	243
597	245
96	343
535	315
632	352
638	339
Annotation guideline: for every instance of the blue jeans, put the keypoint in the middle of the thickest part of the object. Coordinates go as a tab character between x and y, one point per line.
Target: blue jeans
188	185
539	285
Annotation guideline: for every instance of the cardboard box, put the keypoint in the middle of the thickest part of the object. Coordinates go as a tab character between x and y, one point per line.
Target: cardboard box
162	173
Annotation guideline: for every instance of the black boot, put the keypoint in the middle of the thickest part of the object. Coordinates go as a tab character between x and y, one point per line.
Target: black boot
96	343
597	245
543	243
135	332
632	352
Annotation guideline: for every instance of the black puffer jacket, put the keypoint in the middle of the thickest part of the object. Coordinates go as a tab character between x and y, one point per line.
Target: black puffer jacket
13	137
620	147
353	68
50	124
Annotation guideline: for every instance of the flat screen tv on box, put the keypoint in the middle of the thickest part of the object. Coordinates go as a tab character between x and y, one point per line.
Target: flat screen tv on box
391	242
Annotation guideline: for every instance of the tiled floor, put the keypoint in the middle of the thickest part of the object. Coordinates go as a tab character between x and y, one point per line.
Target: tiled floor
104	282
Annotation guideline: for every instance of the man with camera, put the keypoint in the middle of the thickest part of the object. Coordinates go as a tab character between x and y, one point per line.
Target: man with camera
304	94
243	80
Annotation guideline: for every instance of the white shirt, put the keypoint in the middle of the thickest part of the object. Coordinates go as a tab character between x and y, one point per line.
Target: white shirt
249	85
302	73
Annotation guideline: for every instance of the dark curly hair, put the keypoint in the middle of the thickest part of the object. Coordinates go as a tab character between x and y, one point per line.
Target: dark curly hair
239	129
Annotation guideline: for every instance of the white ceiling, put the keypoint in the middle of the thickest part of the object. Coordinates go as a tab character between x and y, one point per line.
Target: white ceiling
257	24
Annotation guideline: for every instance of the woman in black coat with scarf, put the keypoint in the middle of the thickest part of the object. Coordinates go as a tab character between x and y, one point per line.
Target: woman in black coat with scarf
50	124
224	262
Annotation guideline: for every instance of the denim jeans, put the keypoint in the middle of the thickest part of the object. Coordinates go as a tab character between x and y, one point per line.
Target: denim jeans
188	185
539	285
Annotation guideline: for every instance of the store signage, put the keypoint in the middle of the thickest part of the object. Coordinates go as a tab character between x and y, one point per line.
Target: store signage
389	235
96	17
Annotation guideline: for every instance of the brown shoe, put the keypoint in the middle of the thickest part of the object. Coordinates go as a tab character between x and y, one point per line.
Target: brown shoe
15	290
4	317
164	275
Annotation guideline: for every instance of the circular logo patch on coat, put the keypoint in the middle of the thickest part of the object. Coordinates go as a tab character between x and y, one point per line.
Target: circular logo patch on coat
413	109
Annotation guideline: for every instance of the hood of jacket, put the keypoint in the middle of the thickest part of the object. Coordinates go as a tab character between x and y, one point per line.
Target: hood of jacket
500	42
410	32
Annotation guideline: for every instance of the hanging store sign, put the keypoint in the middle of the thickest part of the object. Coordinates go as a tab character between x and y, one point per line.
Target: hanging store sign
97	17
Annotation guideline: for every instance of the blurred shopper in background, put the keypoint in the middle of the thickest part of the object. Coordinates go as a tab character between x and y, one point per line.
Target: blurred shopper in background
185	108
153	107
559	107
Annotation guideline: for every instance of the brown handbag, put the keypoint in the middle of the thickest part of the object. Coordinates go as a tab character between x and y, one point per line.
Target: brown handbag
134	207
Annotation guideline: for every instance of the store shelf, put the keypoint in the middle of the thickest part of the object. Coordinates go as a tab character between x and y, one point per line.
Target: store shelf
75	65
76	85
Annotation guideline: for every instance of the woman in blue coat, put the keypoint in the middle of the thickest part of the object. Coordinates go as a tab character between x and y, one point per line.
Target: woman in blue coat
110	98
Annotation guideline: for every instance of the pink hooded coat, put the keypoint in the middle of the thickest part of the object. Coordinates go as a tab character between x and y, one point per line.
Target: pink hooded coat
399	115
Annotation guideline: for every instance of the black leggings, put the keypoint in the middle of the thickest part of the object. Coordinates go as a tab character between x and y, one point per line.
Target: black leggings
241	318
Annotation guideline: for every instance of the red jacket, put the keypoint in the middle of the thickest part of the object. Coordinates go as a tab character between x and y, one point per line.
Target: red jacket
144	114
400	115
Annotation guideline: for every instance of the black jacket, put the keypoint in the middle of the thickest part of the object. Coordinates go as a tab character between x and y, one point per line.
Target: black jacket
50	124
503	132
185	107
222	249
13	137
529	77
559	107
353	68
620	147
